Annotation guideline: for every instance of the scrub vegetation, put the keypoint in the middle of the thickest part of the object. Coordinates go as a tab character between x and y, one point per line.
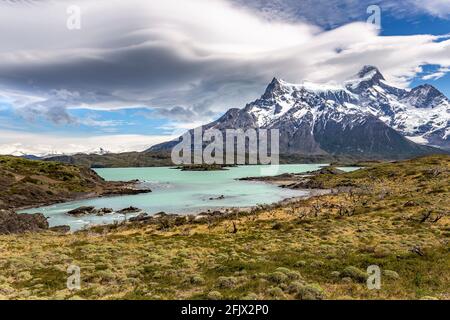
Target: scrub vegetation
393	215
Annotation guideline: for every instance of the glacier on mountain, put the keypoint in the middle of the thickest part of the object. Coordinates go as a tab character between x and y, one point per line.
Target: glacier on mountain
421	114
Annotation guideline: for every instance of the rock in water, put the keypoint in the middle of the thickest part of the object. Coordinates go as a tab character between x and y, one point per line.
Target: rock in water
217	198
81	211
129	210
104	211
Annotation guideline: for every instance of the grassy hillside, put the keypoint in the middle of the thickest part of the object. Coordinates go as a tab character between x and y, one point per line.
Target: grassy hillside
29	182
391	215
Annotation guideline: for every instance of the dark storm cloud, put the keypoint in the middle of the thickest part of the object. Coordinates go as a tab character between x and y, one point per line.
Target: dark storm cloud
181	62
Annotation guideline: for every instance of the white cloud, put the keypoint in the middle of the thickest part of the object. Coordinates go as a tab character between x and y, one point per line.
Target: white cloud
437	75
438	8
203	55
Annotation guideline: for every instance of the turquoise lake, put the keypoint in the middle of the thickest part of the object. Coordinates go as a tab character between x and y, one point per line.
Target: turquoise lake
182	192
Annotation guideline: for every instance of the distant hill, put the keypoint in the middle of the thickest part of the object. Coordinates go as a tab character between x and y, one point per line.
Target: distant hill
116	160
163	159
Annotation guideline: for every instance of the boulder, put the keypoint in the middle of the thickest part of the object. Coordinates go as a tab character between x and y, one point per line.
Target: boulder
201	217
216	213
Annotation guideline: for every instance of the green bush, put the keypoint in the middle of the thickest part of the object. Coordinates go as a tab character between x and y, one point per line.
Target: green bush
214	295
277	277
276	293
197	280
310	292
355	274
391	274
227	282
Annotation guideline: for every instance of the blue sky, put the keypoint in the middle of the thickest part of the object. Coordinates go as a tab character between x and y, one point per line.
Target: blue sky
420	24
127	82
136	120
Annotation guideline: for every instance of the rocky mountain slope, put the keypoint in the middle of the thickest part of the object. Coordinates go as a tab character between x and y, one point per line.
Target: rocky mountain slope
365	116
422	114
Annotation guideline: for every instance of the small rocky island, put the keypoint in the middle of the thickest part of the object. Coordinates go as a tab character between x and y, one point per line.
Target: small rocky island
205	167
297	180
91	210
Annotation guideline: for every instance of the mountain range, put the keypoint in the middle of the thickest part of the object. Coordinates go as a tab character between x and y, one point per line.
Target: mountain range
22	152
364	117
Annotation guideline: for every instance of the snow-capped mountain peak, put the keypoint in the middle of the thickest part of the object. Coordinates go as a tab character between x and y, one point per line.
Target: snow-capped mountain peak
370	72
363	115
366	78
421	114
425	96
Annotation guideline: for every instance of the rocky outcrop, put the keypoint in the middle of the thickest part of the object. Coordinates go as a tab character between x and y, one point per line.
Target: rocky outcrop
82	211
127	192
29	183
11	222
326	170
141	217
104	211
89	210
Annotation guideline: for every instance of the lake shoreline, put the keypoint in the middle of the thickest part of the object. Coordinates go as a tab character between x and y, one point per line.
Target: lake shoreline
222	213
118	189
202	199
167	220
